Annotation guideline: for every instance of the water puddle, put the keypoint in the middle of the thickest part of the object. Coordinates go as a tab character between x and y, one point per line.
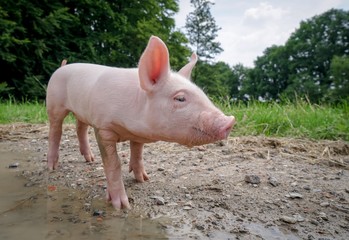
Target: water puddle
57	213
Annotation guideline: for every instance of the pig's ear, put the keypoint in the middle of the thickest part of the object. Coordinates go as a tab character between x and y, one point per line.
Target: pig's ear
154	65
186	70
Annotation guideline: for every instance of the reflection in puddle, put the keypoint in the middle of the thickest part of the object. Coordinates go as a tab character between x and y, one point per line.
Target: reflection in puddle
57	213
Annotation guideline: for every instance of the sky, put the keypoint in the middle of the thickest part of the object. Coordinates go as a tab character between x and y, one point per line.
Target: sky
248	27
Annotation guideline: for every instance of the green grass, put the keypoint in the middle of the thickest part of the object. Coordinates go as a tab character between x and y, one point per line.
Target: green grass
25	112
300	119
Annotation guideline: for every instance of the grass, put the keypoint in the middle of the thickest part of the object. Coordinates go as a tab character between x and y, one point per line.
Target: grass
300	119
25	112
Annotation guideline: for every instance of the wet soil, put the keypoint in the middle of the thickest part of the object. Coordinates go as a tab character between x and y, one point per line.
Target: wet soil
242	188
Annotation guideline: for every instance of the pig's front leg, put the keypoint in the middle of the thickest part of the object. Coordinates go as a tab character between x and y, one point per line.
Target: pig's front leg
112	167
136	162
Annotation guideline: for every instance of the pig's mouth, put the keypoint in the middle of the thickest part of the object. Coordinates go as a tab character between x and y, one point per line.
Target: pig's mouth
203	135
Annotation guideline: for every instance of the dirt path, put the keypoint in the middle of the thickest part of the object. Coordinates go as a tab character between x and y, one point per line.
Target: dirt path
242	188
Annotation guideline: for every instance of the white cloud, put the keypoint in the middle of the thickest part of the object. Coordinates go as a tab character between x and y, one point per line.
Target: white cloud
265	10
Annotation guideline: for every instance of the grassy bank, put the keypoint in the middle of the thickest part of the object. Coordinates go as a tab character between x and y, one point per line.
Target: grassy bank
300	119
24	112
287	119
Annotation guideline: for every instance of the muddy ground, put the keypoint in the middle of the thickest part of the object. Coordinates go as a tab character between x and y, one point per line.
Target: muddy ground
242	188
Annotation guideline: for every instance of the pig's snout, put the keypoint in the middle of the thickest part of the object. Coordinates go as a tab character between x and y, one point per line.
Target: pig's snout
227	125
213	126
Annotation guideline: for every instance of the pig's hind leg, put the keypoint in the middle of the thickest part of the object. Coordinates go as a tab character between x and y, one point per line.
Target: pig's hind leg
56	116
82	132
136	162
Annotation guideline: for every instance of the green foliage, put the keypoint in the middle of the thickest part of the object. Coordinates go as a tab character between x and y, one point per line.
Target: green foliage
35	36
214	78
303	64
340	73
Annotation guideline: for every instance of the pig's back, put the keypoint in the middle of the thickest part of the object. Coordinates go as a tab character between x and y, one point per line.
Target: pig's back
84	89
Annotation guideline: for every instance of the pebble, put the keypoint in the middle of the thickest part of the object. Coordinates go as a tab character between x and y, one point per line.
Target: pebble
13	165
294	195
159	200
161	169
299	217
251	178
288	219
187	208
188	205
273	181
323	216
294	184
324	204
98	213
188	196
294	219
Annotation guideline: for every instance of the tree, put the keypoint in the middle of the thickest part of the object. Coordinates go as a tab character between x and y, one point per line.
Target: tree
215	78
303	65
36	35
237	83
311	49
202	30
271	73
340	74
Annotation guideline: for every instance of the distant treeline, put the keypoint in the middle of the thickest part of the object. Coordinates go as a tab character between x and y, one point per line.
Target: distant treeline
36	35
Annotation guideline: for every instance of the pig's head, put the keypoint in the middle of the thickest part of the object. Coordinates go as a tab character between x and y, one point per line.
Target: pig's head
176	109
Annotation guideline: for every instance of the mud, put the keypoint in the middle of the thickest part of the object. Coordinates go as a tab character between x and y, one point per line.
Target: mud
242	188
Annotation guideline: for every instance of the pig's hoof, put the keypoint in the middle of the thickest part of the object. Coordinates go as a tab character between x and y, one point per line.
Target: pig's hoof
52	166
140	175
89	157
119	202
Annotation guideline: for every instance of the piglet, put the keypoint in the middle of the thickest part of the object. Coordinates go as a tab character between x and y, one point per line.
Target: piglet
142	105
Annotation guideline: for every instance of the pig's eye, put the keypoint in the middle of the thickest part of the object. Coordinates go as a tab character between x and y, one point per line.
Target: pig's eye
180	98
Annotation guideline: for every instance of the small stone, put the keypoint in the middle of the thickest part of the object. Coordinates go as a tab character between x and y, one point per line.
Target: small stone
298	217
201	148
294	184
200	227
188	196
189	204
323	216
98	213
294	195
13	165
172	204
314	222
273	181
288	219
324	204
161	169
187	208
159	200
254	179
